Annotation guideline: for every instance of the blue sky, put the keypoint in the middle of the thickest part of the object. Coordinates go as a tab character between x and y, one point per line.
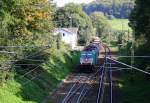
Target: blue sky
61	3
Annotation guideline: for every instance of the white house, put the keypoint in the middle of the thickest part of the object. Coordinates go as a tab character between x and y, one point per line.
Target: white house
69	35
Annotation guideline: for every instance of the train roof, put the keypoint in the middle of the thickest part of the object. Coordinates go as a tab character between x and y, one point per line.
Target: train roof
91	47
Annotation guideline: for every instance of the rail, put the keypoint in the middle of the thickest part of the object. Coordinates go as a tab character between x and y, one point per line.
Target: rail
85	87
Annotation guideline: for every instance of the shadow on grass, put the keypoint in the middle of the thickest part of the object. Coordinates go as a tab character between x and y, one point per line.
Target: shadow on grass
36	85
135	90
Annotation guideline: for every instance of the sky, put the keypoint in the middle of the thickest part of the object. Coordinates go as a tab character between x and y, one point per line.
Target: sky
61	3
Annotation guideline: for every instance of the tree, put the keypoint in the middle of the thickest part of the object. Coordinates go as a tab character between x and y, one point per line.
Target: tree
72	15
140	23
100	23
24	22
111	8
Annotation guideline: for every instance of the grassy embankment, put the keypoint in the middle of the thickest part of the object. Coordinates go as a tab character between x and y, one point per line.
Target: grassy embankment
24	90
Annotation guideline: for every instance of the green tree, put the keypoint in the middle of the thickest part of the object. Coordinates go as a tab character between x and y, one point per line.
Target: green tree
24	22
140	23
100	23
111	8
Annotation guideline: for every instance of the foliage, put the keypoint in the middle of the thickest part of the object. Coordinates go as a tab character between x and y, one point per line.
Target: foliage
139	22
72	16
118	27
111	8
100	23
23	23
25	20
27	24
14	92
25	90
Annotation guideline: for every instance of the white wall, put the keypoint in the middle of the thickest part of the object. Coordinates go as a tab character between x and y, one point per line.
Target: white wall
68	38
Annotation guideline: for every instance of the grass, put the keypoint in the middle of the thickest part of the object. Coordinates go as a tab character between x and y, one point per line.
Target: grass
136	90
113	46
14	92
119	24
53	71
114	49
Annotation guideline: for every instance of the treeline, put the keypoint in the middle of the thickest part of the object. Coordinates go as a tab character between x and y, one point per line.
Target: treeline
111	8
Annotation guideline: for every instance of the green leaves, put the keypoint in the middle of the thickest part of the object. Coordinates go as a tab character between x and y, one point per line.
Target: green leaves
140	23
24	22
139	19
100	23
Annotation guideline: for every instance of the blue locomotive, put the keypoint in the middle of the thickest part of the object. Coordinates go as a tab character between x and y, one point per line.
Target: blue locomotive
88	57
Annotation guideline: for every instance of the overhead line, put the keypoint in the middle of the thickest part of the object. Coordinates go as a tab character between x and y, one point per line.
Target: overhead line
129	66
2	61
29	71
22	46
7	52
133	56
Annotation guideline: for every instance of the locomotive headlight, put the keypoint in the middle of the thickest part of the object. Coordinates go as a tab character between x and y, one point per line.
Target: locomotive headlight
91	60
81	60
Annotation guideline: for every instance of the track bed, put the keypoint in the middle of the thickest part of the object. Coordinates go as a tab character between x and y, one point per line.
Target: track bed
81	88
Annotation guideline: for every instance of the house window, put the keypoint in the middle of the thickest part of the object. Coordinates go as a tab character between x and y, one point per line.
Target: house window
63	34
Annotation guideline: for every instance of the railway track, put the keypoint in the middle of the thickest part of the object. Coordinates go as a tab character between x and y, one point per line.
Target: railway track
77	92
89	88
99	87
80	88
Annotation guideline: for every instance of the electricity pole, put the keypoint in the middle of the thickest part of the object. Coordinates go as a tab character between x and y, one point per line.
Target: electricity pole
70	17
109	37
132	51
133	46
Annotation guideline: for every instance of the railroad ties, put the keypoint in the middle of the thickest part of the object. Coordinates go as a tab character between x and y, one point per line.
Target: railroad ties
90	88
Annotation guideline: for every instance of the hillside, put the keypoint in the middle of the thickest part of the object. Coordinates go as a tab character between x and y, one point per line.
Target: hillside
110	8
36	85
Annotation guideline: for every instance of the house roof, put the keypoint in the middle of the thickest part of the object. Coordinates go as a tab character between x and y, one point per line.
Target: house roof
70	30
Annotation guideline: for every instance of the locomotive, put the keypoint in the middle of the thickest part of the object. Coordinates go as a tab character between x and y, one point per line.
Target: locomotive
88	57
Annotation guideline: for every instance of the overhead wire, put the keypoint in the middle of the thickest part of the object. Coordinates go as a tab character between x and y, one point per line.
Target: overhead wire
130	66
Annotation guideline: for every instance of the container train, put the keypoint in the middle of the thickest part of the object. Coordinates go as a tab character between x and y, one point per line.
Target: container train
88	57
